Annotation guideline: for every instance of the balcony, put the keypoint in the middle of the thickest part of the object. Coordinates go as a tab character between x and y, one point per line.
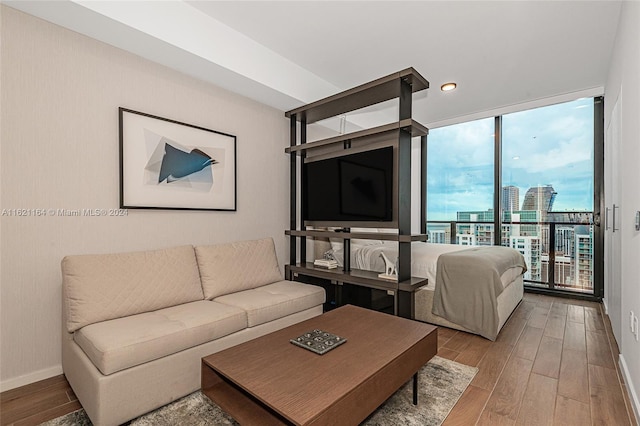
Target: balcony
559	255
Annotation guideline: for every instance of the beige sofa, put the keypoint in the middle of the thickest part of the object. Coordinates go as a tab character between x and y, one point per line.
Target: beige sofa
135	325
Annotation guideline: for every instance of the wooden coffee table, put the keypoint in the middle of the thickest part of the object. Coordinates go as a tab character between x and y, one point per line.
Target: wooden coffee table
269	380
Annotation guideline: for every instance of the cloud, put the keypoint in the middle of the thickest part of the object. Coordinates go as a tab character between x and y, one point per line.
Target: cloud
463	145
554	146
548	139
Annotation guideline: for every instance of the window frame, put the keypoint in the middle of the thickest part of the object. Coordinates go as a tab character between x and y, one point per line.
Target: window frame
598	202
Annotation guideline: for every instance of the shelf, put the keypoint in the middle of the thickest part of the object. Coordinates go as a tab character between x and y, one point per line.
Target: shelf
357	235
359	277
380	90
412	126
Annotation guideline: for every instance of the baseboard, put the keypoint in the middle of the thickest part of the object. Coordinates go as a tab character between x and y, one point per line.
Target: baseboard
633	396
27	379
606	308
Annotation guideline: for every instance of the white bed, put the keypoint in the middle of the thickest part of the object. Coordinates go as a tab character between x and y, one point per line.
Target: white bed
365	254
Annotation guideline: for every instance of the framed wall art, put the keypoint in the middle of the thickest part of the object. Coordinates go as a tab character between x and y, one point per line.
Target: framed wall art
166	164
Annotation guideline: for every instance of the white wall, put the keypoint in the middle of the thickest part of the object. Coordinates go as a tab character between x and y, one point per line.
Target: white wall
624	83
60	94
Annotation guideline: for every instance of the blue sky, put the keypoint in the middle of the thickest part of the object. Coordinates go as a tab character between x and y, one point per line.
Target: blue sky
551	145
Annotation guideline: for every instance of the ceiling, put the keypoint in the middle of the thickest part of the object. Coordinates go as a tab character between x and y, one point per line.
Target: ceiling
285	54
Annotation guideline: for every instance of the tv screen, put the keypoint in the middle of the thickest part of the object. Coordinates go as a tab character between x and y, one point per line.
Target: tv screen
353	187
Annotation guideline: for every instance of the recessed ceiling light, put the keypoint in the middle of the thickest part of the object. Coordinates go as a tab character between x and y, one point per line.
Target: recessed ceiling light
447	87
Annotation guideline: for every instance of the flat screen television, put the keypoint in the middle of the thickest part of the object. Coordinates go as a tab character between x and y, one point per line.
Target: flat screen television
350	188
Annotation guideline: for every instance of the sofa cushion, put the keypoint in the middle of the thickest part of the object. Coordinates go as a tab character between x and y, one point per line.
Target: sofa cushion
274	301
125	342
107	286
232	267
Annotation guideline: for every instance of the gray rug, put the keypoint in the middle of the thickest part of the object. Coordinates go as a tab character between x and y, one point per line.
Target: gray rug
440	384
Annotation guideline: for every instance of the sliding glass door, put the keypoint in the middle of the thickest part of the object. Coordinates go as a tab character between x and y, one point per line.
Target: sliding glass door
548	190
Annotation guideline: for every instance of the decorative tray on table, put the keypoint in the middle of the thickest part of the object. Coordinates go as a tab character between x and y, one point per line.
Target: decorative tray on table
318	341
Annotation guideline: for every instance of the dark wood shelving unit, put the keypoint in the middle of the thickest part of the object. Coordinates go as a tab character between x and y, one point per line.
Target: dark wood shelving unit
402	291
358	276
409	125
374	92
400	85
359	235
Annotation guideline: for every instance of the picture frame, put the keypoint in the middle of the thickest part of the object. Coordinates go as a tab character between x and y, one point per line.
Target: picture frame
167	164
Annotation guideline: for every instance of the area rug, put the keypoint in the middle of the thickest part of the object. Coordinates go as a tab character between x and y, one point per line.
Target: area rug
441	382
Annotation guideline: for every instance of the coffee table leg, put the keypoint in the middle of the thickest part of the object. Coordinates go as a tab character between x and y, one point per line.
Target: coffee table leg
415	389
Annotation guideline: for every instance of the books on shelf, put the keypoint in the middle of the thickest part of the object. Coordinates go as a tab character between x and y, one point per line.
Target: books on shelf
325	263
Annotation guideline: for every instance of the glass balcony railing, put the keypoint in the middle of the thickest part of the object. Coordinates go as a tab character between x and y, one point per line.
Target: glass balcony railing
559	254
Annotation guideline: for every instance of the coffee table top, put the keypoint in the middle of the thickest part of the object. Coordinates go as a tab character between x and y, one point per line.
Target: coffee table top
298	383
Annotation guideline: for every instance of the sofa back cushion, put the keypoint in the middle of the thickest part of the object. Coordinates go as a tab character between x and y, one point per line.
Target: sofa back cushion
107	286
233	267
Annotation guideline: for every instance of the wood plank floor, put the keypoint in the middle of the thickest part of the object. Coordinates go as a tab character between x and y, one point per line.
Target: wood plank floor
554	363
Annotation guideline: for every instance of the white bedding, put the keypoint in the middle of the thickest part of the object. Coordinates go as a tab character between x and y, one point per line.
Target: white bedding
424	259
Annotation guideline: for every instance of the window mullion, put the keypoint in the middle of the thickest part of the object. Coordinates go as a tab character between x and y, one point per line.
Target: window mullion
497	182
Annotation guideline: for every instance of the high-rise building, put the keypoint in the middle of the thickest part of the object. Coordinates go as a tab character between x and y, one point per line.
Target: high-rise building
563	270
475	216
510	198
584	257
530	249
539	198
475	235
466	239
438	236
565	241
439	233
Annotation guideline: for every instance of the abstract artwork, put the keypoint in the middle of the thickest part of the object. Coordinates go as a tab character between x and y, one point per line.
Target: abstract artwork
166	164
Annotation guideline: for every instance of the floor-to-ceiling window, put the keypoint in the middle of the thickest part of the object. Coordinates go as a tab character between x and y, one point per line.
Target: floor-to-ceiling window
547	172
460	182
